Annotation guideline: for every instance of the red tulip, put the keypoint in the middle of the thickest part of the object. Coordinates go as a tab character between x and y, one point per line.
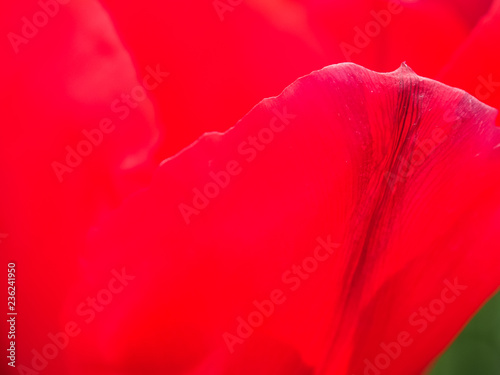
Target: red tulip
88	93
344	227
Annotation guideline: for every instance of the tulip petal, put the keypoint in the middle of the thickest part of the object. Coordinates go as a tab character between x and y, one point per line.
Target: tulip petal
323	227
66	157
475	66
379	34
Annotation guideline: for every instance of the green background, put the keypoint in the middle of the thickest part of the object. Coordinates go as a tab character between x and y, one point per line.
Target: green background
477	350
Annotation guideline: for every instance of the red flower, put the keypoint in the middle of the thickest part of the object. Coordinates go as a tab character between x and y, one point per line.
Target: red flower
345	225
83	109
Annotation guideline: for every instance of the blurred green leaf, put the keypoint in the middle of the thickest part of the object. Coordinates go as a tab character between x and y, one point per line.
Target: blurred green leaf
477	350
